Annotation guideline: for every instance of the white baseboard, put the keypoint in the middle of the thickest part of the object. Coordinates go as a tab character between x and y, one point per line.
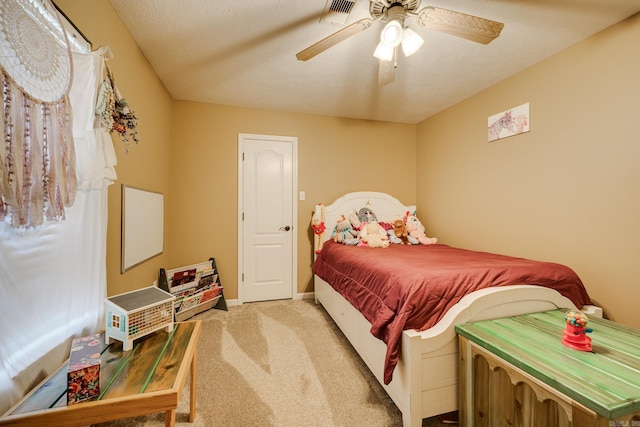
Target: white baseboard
304	295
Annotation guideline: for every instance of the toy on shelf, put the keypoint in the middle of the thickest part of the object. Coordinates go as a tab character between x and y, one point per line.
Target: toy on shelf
575	333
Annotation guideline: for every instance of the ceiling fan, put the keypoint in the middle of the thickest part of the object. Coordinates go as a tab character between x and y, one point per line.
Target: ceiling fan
397	34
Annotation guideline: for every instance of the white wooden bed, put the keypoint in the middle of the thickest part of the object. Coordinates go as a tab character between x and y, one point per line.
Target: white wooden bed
425	381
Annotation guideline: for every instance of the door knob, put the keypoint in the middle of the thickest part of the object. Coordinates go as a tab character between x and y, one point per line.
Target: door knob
285	228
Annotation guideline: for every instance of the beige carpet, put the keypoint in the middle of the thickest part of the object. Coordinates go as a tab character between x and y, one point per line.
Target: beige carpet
279	363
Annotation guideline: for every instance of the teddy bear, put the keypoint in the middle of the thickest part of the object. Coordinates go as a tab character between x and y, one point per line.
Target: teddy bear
344	233
417	230
400	231
374	235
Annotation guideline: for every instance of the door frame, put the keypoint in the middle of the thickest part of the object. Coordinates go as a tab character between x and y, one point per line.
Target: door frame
294	206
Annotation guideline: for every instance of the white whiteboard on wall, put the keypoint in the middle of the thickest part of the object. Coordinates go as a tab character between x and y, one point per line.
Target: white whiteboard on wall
142	226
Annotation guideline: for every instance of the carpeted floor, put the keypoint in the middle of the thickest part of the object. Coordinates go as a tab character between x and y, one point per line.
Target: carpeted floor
279	363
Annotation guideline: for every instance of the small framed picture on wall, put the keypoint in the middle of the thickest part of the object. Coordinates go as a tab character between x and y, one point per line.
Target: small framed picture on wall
509	123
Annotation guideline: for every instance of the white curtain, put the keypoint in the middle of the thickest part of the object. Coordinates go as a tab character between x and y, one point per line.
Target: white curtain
53	277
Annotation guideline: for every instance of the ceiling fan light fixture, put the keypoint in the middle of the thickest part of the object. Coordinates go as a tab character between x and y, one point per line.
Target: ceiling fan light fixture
411	42
392	33
383	51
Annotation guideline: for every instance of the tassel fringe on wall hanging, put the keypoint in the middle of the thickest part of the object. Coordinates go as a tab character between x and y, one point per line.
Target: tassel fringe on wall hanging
37	154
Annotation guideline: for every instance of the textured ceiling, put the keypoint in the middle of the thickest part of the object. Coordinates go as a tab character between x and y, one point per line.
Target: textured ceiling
242	53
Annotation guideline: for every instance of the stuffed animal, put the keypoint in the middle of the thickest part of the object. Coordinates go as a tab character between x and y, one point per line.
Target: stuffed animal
400	231
417	230
367	215
354	220
374	235
393	238
344	233
317	224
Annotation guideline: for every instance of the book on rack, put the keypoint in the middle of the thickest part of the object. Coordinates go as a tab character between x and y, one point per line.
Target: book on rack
181	278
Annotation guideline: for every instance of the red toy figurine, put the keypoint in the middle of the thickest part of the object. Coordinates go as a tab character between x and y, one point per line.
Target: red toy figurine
575	334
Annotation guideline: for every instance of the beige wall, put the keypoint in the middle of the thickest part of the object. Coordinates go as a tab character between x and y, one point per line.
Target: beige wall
147	164
188	151
569	190
334	156
566	191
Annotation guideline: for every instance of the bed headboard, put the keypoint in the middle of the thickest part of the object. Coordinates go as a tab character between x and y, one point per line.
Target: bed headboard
386	208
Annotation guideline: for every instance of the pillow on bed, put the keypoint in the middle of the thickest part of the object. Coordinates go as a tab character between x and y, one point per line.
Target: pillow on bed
386	225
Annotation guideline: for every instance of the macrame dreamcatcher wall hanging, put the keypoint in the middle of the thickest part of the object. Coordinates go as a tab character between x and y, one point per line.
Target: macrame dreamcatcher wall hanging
37	153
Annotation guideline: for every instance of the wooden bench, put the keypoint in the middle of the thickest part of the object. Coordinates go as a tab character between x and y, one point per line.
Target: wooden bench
147	379
517	371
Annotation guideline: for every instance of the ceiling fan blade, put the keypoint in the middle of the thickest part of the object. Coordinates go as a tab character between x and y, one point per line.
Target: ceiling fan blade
334	39
387	71
459	24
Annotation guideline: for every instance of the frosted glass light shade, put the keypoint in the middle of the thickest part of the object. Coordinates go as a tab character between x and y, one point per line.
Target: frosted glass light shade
411	42
384	51
391	33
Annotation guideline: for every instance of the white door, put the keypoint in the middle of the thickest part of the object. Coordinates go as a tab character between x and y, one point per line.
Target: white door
267	226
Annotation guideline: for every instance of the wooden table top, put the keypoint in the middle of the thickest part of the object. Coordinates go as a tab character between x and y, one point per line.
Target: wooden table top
148	377
605	380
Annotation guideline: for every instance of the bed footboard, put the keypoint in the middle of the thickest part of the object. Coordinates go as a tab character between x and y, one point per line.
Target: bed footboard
425	381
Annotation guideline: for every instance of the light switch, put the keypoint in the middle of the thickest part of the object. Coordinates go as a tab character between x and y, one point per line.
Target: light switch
302	195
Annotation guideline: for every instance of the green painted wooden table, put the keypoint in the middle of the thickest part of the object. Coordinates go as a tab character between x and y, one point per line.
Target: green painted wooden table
146	379
511	366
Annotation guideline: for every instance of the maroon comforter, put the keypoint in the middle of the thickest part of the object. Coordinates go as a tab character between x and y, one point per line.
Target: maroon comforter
412	287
